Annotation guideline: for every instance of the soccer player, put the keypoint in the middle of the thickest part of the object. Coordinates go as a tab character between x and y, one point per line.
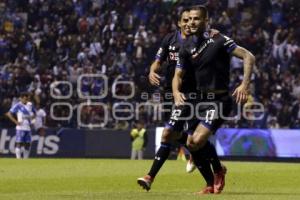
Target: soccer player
22	110
169	52
208	59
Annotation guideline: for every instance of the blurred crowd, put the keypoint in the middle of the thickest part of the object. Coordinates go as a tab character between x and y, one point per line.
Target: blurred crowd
86	60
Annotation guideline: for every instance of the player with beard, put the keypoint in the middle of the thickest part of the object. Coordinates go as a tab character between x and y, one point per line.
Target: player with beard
168	52
208	60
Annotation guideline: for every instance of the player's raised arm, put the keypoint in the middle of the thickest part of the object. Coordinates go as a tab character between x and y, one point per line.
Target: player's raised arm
241	92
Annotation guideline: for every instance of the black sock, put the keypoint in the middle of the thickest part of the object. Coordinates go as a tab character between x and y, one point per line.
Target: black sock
160	158
203	166
213	156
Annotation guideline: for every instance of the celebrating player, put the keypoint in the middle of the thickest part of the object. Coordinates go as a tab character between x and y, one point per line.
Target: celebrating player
169	52
208	60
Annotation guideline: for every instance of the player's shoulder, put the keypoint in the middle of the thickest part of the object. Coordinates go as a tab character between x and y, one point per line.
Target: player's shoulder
221	38
225	43
17	105
169	36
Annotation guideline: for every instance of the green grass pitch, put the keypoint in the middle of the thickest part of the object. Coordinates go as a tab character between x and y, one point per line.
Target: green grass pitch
39	179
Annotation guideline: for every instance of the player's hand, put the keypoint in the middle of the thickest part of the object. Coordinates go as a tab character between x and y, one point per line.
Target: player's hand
18	123
213	32
179	98
241	94
154	78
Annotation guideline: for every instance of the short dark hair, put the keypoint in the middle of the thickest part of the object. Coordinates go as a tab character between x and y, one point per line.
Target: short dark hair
24	94
185	9
201	8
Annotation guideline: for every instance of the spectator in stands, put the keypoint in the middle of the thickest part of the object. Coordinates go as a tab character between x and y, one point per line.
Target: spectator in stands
61	40
138	137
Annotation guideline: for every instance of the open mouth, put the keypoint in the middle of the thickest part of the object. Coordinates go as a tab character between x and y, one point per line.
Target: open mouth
193	28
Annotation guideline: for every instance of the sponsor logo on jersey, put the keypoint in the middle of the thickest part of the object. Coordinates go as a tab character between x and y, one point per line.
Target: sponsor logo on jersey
195	53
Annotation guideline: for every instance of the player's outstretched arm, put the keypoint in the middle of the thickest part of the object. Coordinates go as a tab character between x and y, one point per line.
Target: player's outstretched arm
241	92
179	97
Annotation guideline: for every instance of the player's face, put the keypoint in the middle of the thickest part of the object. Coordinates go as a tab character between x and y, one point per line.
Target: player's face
183	23
24	99
197	21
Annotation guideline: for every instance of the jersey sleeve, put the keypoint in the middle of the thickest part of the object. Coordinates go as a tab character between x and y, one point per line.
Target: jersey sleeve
163	50
14	109
228	44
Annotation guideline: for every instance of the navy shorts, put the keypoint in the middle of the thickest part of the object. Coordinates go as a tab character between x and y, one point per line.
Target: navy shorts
179	117
210	114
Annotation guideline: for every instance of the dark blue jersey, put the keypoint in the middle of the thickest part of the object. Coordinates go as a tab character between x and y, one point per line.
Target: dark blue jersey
168	53
208	60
